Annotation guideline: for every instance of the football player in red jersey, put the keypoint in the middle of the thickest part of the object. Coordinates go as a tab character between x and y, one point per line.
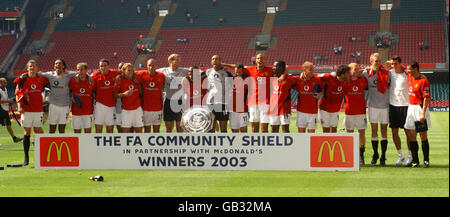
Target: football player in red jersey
355	106
418	114
82	87
238	102
30	104
152	105
105	103
128	88
194	86
309	88
280	98
259	93
330	103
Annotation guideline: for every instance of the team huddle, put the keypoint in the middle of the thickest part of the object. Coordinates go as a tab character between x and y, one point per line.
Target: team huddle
139	100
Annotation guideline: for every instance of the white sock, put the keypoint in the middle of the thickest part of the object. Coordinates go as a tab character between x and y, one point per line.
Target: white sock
400	153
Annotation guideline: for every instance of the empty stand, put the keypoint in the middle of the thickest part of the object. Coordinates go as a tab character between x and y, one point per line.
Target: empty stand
6	43
229	43
235	12
93	46
411	33
308	12
419	11
297	44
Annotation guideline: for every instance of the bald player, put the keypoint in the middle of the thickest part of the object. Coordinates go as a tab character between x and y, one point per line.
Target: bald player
355	106
219	86
173	103
308	95
152	83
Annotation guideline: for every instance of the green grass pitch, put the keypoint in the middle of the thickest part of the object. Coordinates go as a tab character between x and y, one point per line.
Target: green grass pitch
370	181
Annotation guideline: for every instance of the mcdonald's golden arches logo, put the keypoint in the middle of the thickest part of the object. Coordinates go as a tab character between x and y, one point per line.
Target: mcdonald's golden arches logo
59	152
331	151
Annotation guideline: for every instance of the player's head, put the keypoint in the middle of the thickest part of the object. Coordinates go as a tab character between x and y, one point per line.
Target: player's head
174	60
120	66
239	70
413	69
355	69
3	82
279	68
60	65
216	61
82	68
191	71
308	69
396	62
32	66
375	61
151	65
103	65
260	60
343	72
128	70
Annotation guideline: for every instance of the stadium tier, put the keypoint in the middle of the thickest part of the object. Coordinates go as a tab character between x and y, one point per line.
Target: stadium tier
300	43
6	42
309	12
419	11
411	33
231	43
93	46
109	15
234	13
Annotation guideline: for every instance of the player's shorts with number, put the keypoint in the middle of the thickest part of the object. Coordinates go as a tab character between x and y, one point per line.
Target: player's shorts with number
152	117
379	115
259	113
284	119
306	120
413	115
132	118
104	115
238	120
328	119
358	122
32	119
58	114
81	122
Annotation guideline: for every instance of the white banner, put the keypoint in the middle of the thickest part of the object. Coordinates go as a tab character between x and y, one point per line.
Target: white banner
184	151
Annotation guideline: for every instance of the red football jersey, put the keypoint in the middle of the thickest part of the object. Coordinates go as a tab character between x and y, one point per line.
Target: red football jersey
238	101
419	89
306	103
32	89
104	87
132	101
195	94
280	98
331	101
355	101
152	86
83	90
259	79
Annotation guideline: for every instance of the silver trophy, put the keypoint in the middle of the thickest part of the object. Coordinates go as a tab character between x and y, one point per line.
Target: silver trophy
197	120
